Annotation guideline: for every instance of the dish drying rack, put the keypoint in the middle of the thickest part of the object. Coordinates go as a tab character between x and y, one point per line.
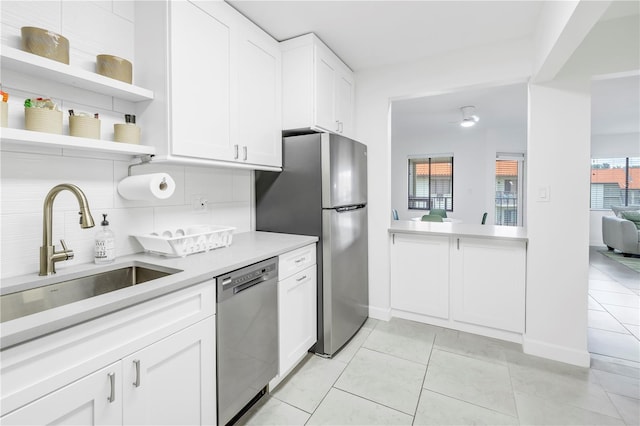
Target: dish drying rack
182	242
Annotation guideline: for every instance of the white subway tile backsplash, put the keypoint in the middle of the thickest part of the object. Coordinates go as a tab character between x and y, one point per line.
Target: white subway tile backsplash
175	217
242	184
95	30
124	9
237	215
21	241
27	178
128	222
16	14
123	107
216	184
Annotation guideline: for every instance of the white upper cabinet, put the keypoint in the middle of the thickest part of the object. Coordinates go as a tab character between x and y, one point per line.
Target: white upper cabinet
259	96
218	78
318	88
199	63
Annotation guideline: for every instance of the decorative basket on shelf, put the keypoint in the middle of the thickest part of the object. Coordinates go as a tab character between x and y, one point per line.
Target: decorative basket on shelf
193	239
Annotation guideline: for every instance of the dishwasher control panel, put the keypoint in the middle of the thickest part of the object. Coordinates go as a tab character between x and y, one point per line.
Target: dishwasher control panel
241	279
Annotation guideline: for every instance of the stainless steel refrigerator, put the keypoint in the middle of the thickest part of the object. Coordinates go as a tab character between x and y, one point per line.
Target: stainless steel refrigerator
322	191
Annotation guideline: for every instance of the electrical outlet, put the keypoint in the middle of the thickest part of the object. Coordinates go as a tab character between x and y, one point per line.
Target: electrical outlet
199	202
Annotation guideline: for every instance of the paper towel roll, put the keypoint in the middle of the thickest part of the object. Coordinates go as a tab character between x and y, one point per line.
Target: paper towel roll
155	186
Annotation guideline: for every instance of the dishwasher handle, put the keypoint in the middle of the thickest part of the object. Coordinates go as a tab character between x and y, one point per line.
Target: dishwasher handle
242	287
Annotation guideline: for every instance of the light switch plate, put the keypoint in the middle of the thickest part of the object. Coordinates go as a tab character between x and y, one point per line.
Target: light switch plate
544	194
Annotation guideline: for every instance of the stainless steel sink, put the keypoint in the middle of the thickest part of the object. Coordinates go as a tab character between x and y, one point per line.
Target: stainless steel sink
27	302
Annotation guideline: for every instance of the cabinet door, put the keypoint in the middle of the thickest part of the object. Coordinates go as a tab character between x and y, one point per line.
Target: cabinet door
173	381
296	317
200	83
344	104
93	400
420	274
325	90
488	283
259	98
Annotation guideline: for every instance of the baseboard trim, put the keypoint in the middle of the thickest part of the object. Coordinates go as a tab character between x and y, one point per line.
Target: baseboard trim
556	352
383	314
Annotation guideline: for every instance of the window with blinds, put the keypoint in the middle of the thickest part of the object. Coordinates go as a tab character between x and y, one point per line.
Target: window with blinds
615	182
430	183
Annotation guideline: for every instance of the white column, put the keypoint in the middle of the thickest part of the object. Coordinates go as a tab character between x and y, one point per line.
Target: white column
558	222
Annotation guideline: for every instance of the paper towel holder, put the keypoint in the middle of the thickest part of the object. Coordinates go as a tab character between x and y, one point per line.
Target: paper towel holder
144	159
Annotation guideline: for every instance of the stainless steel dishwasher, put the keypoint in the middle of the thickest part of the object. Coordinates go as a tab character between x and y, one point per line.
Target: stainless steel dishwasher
247	336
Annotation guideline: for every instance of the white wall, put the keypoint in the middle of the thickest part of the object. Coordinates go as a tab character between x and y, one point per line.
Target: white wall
27	175
375	89
474	156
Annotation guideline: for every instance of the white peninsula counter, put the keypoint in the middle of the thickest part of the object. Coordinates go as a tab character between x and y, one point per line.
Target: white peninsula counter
467	277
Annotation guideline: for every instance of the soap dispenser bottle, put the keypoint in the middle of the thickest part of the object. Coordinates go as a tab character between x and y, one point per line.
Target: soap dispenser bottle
105	247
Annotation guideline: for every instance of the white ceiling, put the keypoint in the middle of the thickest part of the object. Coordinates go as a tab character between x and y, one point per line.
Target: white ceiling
368	34
497	107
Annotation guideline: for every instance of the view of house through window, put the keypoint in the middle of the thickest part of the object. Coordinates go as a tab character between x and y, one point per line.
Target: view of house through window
431	183
509	190
615	182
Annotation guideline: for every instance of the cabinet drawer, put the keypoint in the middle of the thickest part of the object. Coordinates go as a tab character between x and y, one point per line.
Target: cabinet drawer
296	260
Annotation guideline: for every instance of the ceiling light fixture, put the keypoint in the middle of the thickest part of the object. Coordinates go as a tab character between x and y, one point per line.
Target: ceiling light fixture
469	118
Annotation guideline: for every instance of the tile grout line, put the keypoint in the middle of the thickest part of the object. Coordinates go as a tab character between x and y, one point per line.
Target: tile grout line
340	375
415	412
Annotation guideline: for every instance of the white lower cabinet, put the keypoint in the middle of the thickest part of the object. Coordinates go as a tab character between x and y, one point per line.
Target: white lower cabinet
488	283
297	317
170	381
150	364
297	308
83	402
420	274
468	283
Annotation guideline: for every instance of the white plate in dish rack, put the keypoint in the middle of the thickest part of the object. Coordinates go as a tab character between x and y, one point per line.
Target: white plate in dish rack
181	242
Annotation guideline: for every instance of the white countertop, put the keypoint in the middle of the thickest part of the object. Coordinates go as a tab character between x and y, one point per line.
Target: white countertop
246	248
458	229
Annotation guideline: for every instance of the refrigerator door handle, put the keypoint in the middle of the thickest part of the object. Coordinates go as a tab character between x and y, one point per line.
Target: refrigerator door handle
349	208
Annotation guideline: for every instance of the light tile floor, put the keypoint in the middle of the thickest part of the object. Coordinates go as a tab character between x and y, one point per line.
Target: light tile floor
403	373
614	309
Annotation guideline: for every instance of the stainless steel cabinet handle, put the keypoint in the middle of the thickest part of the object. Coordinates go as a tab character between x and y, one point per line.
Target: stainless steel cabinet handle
112	382
244	153
458	243
136	383
237	153
302	278
302	259
338	126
